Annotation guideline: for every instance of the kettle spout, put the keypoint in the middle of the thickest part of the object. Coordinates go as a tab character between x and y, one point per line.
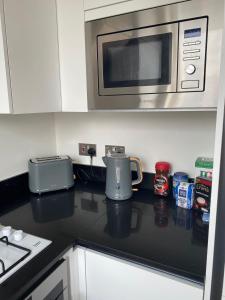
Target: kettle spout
104	158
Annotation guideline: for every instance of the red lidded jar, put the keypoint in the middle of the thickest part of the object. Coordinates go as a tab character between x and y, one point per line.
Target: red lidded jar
161	181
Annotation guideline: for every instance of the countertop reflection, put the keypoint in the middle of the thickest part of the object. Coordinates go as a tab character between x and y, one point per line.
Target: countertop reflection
147	229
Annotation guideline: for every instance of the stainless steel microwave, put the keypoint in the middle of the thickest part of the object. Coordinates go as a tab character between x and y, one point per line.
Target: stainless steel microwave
165	57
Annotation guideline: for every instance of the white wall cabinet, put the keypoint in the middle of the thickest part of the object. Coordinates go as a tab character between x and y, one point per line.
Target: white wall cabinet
90	4
29	64
72	55
111	278
97	9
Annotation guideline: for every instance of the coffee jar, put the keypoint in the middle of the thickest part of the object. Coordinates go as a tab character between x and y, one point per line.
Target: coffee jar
161	180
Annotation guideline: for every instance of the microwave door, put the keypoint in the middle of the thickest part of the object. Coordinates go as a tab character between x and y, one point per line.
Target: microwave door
141	61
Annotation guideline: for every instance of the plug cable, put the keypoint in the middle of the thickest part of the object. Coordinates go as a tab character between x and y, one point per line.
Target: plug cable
92	153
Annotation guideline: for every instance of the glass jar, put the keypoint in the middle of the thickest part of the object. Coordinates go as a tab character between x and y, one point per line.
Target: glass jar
161	180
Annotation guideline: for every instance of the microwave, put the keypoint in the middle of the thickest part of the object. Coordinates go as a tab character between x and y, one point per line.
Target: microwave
164	57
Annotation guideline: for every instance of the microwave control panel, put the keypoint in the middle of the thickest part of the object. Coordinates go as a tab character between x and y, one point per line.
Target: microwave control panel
192	55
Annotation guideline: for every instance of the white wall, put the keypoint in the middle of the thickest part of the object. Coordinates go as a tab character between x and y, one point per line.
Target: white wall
177	137
22	137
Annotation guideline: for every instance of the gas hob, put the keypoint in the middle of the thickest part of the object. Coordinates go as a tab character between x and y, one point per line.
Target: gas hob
16	249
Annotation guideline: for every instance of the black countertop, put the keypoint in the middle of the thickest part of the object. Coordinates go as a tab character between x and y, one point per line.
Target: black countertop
147	229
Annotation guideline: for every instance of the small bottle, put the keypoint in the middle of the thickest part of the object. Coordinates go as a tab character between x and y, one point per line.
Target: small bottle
161	181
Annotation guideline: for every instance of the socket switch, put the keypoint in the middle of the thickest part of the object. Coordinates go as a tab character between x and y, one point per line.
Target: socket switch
114	149
83	149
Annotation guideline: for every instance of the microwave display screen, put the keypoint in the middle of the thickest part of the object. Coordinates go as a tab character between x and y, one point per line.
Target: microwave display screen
141	61
190	33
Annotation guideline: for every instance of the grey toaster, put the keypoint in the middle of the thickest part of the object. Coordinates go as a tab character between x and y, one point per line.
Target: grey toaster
52	173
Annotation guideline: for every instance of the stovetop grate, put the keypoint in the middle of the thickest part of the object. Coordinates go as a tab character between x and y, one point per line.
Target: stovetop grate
5	240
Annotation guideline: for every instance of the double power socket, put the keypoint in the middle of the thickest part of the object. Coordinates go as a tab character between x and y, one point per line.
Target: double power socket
84	149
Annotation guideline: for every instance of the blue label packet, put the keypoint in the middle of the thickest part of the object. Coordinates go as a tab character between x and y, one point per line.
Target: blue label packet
185	195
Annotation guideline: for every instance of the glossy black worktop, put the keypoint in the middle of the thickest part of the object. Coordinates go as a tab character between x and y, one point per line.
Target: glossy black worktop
146	229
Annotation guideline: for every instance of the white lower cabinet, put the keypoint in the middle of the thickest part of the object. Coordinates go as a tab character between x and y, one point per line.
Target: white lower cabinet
109	278
223	290
76	273
97	276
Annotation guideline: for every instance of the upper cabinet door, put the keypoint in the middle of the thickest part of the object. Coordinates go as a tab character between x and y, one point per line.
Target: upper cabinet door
32	57
72	55
90	4
5	92
97	9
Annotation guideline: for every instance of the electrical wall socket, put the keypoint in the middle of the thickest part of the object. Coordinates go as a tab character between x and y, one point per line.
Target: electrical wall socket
114	149
83	149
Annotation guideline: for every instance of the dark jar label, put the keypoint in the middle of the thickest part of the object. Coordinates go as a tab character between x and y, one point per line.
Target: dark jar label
161	185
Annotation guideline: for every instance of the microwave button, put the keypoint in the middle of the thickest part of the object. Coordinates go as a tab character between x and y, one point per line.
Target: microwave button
191	51
190	84
190	69
191	58
192	43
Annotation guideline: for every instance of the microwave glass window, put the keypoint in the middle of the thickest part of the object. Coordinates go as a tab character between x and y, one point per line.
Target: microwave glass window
142	61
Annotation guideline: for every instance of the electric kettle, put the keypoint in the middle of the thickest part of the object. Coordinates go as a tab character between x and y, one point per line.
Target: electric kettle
118	175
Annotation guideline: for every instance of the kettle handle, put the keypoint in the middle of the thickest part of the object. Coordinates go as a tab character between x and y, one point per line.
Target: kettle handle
139	170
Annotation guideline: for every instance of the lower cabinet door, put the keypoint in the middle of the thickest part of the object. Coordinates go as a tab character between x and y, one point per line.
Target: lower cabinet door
109	278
